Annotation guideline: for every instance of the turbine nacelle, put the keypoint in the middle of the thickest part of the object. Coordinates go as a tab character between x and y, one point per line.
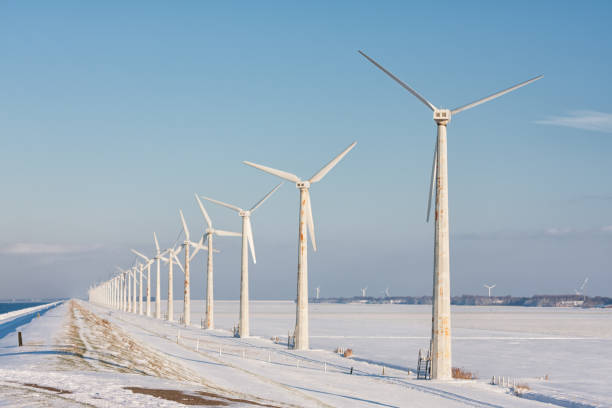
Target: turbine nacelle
302	184
442	116
244	213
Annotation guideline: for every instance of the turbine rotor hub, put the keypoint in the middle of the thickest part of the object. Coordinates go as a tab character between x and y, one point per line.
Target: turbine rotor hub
442	116
302	184
244	213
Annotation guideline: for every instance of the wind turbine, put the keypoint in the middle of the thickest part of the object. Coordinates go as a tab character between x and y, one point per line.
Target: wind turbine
172	252
247	242
210	231
441	327
489	287
148	266
127	305
318	291
157	283
306	226
185	268
580	291
363	291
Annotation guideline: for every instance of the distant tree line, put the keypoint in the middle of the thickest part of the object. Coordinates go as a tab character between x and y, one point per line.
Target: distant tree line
475	300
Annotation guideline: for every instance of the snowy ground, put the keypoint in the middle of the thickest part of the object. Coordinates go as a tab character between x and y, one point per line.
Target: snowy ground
88	355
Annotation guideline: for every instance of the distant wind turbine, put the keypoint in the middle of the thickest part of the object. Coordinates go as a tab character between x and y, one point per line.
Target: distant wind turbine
210	232
441	321
306	226
580	290
247	242
489	287
148	266
185	268
169	259
318	291
363	291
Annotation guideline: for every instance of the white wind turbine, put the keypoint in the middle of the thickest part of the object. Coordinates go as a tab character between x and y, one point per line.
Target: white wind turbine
306	226
210	232
363	291
441	327
157	259
247	242
489	287
127	288
185	268
172	252
580	291
148	266
318	291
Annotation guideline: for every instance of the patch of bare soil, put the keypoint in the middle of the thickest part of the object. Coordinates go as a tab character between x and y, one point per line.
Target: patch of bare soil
194	398
43	387
177	396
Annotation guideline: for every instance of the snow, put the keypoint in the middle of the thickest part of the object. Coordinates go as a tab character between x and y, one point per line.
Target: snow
93	353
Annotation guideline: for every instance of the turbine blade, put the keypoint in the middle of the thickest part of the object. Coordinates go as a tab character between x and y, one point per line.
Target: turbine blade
432	185
256	206
178	262
204	213
223	233
310	221
406	87
321	173
198	246
495	95
139	254
249	231
230	206
184	226
156	243
279	173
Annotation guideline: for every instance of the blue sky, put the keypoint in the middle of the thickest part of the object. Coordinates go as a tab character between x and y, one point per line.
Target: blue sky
113	114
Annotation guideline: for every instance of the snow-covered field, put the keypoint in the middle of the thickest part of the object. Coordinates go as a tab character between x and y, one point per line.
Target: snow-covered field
88	355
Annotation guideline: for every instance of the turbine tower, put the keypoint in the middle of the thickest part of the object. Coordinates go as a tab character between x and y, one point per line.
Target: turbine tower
489	287
158	279
441	324
247	242
318	292
185	268
172	252
363	291
210	232
306	226
148	266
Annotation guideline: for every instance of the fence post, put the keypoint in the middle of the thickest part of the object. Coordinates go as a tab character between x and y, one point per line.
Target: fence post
19	339
325	366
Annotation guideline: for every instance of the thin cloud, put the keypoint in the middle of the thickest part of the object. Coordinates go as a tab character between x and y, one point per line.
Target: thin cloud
22	248
582	119
549	233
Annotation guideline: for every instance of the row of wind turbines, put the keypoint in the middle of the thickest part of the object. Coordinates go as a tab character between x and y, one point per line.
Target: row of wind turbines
440	347
120	291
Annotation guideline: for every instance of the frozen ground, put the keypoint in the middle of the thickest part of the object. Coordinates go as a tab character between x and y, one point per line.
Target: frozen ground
88	355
